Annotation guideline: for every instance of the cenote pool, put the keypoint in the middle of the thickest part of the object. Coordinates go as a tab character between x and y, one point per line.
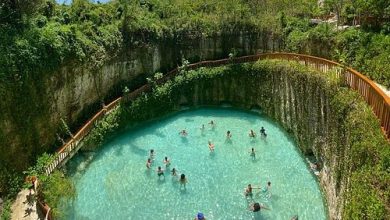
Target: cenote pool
117	185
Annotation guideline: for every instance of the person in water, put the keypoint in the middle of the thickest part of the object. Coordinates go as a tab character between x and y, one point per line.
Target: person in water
228	135
262	130
183	180
149	163
248	191
212	123
200	216
253	153
174	172
167	162
211	146
256	207
252	134
151	154
160	172
183	133
268	187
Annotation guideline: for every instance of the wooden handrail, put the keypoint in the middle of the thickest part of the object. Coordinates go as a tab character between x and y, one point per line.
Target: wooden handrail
373	95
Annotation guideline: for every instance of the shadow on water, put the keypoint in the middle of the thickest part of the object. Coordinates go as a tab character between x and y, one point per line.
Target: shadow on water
258	216
189	120
137	150
160	134
228	141
183	190
148	172
161	180
184	139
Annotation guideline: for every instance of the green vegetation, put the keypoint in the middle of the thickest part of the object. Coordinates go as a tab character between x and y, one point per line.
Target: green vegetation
37	37
351	132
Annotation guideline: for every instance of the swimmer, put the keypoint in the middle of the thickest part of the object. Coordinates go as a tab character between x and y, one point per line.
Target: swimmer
295	217
149	163
268	187
174	172
202	128
183	133
183	180
200	216
167	162
160	172
252	134
152	154
211	146
248	191
228	134
212	123
262	130
253	153
256	207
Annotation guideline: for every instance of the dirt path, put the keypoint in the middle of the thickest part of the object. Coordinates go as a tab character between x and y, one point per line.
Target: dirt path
24	207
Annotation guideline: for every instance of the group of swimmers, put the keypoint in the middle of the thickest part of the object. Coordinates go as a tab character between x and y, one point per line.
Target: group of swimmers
161	172
256	207
263	134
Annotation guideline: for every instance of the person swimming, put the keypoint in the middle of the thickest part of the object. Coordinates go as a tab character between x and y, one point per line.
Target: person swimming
149	163
252	134
151	154
253	153
174	172
183	180
212	123
262	132
167	162
160	172
256	207
228	135
248	191
183	133
200	216
211	146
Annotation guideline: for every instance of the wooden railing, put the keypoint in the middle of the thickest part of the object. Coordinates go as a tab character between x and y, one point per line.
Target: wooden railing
373	95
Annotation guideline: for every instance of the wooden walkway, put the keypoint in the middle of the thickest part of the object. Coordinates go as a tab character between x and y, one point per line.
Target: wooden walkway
373	95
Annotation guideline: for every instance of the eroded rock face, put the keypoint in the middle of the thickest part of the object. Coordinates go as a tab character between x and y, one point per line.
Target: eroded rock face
301	106
30	123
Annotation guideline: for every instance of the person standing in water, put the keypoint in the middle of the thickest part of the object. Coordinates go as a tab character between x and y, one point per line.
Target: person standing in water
183	180
174	172
228	135
160	172
211	146
253	153
151	154
256	207
252	134
167	162
262	132
183	133
149	163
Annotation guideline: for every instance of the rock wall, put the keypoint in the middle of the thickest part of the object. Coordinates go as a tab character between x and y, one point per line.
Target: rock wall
32	107
300	102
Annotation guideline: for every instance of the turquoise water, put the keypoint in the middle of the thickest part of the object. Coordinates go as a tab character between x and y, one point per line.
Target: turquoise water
117	185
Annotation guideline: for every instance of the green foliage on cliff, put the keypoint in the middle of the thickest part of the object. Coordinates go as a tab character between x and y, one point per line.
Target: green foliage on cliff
351	141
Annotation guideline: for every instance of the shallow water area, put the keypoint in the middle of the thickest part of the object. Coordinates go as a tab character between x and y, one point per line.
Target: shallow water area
116	184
